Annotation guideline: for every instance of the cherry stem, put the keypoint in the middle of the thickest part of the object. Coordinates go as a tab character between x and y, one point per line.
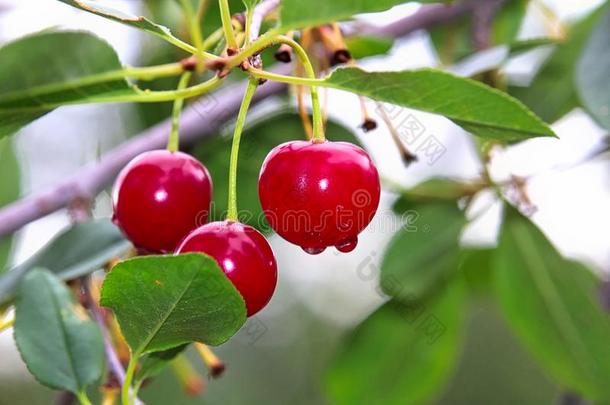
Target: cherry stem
187	47
212	39
268	40
227	26
83	398
131	369
192	19
407	156
239	126
4	325
187	375
249	14
174	136
276	77
211	361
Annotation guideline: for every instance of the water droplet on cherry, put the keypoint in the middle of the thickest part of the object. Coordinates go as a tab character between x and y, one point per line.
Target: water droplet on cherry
347	246
313	250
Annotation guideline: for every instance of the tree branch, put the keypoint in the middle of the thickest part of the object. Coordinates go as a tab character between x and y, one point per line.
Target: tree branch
426	17
483	14
263	9
200	120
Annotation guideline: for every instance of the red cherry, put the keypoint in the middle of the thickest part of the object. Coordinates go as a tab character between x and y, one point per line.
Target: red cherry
317	195
243	254
159	197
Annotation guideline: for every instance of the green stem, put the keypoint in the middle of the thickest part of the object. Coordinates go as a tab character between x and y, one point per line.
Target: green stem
239	126
249	13
213	39
202	8
129	373
174	137
6	324
138	73
300	81
267	40
140	96
83	398
227	26
188	48
194	30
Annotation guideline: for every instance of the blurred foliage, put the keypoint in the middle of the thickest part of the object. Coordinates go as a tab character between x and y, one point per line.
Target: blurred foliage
592	72
9	191
552	94
401	354
428	239
365	46
552	304
454	41
74	252
493	368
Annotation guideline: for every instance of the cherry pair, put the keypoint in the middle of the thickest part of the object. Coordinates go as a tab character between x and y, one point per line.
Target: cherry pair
314	195
161	202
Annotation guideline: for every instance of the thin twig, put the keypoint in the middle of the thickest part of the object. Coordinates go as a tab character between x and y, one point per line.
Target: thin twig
114	363
484	13
407	156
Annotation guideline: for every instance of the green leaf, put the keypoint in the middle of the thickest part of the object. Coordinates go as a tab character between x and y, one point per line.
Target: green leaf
402	354
170	14
592	73
475	265
74	252
559	68
299	14
166	301
154	363
424	252
525	45
44	70
437	188
453	41
9	191
256	143
365	46
58	342
494	368
552	305
477	108
139	22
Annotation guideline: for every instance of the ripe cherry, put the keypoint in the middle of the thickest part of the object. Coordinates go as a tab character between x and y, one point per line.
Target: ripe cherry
243	254
159	197
319	194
